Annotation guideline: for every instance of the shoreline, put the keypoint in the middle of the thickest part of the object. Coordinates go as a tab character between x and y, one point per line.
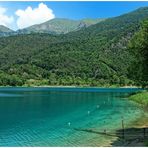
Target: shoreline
71	86
136	128
140	97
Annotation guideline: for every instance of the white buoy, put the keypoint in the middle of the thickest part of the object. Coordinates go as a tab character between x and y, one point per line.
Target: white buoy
98	106
69	123
88	112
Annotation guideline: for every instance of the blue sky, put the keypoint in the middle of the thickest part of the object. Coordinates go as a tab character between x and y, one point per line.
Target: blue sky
42	11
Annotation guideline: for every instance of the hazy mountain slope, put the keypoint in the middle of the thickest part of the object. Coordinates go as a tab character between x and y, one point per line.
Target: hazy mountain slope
94	55
59	26
5	29
127	23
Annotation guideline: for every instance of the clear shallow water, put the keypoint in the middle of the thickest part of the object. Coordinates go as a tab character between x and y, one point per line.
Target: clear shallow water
41	116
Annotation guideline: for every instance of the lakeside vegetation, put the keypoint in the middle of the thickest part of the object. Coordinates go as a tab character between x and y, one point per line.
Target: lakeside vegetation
140	97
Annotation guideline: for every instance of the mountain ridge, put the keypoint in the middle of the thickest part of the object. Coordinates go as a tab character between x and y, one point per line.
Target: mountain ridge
5	29
60	26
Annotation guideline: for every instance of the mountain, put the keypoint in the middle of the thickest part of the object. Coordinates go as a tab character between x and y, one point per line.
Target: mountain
60	26
4	30
96	55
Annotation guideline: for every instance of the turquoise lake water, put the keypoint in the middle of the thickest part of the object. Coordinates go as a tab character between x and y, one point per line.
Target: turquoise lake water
49	116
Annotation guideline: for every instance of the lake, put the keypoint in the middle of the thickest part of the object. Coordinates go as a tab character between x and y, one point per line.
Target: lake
50	116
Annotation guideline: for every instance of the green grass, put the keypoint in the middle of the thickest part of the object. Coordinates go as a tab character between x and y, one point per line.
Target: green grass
140	97
146	143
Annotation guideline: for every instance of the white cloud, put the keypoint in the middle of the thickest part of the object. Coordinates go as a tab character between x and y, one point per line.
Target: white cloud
31	16
5	19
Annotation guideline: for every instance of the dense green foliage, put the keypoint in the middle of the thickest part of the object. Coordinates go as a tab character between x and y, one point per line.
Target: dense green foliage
146	143
139	49
141	98
94	56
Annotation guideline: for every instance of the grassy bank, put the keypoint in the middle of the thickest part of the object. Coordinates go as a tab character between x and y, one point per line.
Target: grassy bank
140	97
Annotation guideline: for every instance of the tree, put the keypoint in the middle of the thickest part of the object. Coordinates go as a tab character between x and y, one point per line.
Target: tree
138	46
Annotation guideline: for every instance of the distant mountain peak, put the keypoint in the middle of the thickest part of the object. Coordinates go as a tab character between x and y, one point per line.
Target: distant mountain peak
60	26
4	29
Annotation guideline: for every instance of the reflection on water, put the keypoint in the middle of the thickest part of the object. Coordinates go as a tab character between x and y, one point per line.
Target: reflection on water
48	116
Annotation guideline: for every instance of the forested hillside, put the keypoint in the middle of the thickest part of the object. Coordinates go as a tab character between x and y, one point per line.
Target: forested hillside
96	55
138	47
